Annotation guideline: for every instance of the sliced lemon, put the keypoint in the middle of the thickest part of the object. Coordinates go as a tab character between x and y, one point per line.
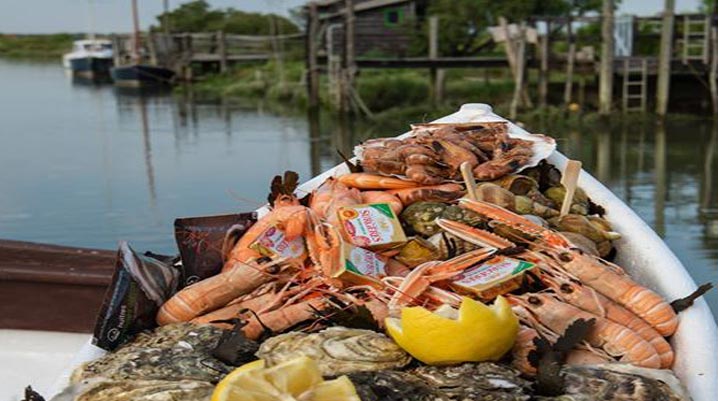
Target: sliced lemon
298	379
474	333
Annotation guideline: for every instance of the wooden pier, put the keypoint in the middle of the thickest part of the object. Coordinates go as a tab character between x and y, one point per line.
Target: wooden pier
344	36
216	51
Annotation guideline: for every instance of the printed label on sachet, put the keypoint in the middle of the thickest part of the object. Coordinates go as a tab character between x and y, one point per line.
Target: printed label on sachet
372	226
493	272
273	243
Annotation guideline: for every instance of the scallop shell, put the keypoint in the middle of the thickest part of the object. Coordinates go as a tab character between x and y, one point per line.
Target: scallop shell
338	350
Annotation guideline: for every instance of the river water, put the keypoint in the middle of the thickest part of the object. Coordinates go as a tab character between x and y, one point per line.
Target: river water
85	165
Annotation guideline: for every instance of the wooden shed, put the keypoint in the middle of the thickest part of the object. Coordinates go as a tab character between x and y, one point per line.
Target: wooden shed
382	27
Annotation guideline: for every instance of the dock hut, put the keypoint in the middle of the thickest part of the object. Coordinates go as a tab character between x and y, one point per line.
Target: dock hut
382	27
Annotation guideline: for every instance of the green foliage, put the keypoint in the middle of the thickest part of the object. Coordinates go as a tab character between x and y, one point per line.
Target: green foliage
389	89
197	16
36	46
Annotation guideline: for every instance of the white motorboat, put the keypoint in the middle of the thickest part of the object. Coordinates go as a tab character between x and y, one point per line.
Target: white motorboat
89	58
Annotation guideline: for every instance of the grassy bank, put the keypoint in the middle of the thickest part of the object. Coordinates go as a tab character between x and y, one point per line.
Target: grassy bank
36	46
385	93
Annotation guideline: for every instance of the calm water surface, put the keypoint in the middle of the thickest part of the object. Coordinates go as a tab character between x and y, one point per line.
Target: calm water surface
87	166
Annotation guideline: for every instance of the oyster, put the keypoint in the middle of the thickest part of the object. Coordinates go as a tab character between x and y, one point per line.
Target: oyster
171	352
137	390
392	385
476	381
619	382
420	217
338	350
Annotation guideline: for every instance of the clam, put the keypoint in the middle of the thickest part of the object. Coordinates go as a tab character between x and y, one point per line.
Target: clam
137	390
392	385
492	193
580	203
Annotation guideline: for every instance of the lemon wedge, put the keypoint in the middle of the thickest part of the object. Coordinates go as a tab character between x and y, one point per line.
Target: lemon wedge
296	380
474	333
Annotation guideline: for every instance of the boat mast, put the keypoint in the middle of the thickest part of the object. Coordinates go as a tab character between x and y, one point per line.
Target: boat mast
91	34
135	34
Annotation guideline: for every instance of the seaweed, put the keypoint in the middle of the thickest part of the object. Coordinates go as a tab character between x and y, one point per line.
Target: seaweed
353	167
32	395
282	185
548	358
233	347
353	316
681	304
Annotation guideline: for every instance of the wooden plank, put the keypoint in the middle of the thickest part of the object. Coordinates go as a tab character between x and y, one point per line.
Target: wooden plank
425	62
50	287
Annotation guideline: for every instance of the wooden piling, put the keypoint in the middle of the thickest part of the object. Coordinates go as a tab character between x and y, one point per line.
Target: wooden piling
664	58
543	67
570	61
152	47
312	65
605	90
520	72
349	63
222	50
713	72
435	74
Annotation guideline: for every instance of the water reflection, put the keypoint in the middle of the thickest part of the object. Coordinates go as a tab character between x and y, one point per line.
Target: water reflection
109	164
675	193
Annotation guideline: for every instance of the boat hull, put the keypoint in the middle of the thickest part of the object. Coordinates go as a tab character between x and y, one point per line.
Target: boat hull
140	76
90	67
641	252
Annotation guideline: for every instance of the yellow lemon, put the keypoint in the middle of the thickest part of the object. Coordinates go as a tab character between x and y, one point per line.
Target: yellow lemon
474	333
298	379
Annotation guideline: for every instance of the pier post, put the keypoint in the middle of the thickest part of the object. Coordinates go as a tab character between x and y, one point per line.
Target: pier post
568	88
312	67
713	50
605	90
520	72
543	68
436	74
152	47
664	58
222	50
349	63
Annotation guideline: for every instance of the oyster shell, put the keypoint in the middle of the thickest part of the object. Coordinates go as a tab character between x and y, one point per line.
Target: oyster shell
137	390
420	217
619	382
171	352
476	381
392	385
338	350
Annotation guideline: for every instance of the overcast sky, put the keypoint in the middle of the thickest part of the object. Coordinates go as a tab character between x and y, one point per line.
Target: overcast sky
46	16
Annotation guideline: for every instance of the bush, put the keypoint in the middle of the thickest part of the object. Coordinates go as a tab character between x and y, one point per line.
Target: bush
388	90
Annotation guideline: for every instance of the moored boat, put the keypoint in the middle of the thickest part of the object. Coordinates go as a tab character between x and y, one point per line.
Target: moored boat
141	75
89	58
138	74
641	252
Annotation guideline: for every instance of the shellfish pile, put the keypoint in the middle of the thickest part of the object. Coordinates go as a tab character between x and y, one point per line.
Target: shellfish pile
320	277
433	153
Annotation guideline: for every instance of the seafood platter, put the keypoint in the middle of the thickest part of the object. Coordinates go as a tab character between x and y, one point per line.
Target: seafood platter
458	261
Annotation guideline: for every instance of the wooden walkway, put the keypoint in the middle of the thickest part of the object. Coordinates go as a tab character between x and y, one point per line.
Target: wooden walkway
50	287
